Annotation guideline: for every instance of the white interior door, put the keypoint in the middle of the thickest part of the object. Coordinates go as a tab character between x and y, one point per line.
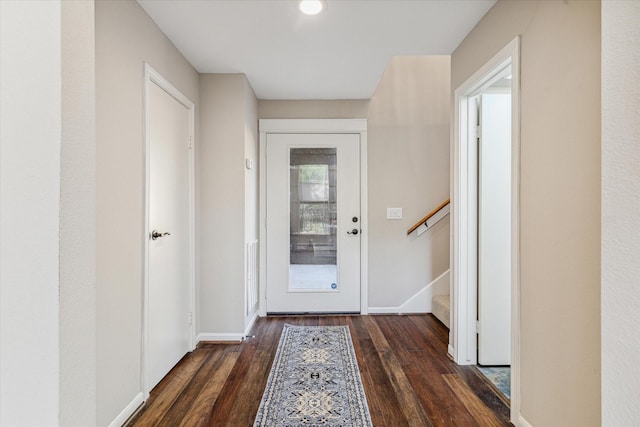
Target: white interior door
494	230
313	223
168	287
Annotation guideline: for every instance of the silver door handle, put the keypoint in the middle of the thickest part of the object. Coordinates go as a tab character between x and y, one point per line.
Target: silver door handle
155	234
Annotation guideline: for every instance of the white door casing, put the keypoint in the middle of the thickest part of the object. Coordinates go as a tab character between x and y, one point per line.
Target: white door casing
494	230
314	126
283	296
462	337
169	259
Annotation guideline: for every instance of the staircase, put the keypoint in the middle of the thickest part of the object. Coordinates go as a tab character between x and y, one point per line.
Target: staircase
440	304
440	308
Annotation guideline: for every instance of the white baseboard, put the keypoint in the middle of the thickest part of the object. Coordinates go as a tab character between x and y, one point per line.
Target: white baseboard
253	319
231	336
420	302
129	410
384	310
451	352
522	422
219	337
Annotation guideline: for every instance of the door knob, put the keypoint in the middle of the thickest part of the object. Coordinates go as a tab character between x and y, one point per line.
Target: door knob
155	234
354	231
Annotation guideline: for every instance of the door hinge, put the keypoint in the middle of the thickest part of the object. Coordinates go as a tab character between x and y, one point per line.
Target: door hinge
190	318
476	131
477	326
190	142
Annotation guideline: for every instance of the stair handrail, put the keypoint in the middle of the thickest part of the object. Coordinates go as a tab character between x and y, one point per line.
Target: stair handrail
428	216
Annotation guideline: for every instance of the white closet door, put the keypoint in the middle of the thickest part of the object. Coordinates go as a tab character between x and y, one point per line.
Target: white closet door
494	230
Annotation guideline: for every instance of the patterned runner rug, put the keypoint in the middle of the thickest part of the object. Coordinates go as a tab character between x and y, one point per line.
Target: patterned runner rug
314	381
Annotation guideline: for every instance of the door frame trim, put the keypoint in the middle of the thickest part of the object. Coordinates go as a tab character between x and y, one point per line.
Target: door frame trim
151	76
464	257
319	126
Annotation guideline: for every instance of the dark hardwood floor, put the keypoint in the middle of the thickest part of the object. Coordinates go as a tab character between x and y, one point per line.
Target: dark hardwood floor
408	378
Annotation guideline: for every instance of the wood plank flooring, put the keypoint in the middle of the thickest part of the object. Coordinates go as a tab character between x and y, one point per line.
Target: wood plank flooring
407	377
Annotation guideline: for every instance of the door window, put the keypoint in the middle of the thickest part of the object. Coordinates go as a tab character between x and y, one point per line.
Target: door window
312	219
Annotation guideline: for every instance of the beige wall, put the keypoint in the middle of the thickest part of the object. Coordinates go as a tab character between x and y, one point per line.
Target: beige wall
30	163
408	137
77	289
125	38
313	109
560	198
620	213
228	134
251	188
251	152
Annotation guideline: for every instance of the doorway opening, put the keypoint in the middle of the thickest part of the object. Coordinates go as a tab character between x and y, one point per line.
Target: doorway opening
493	156
485	240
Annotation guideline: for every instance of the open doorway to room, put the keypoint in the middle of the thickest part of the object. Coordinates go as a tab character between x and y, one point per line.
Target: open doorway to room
493	111
485	242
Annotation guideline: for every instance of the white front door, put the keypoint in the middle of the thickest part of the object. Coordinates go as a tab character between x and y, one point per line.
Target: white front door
313	223
494	230
168	293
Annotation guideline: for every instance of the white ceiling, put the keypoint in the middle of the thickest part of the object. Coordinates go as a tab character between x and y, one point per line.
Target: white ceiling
339	54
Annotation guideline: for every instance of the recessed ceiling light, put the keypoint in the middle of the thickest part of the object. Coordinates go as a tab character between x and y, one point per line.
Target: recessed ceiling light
312	7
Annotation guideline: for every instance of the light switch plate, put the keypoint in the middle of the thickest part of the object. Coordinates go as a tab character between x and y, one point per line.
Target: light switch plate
394	213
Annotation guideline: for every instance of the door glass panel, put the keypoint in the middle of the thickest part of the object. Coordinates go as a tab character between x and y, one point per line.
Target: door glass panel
312	219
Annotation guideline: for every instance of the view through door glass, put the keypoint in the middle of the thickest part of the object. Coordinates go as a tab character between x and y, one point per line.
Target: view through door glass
312	219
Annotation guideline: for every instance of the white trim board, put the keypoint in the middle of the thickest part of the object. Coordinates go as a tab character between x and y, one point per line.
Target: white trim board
128	411
358	126
213	336
523	423
227	337
431	222
420	302
463	337
151	76
250	324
